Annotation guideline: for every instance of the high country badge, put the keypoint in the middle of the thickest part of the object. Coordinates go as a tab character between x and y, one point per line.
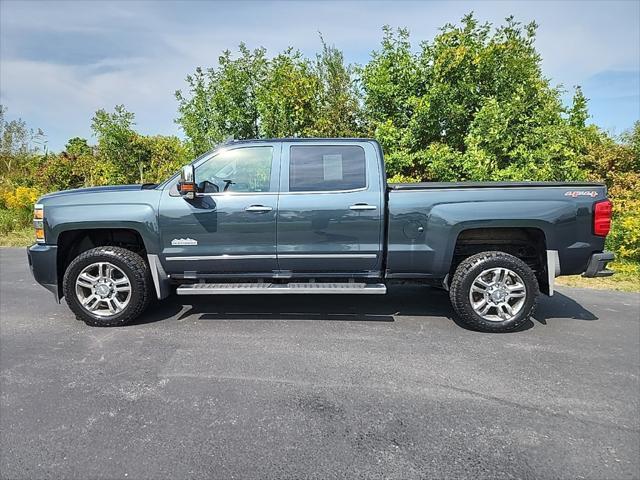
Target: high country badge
183	241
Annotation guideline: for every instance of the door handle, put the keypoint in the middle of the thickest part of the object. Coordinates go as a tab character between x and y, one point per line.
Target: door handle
362	206
258	209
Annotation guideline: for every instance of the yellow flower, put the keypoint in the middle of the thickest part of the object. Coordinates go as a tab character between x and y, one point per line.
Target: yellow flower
21	197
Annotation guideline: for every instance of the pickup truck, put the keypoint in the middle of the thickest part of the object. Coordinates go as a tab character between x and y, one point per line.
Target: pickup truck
315	216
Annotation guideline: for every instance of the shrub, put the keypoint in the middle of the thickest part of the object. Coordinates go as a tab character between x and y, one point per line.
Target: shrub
59	173
22	198
399	178
18	211
624	238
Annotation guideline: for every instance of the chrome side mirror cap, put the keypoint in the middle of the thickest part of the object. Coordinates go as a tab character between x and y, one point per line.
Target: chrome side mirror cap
187	185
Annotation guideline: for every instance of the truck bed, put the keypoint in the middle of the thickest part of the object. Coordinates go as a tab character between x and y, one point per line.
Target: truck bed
425	221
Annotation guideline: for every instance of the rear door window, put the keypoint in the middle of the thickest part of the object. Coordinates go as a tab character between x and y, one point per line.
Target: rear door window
314	168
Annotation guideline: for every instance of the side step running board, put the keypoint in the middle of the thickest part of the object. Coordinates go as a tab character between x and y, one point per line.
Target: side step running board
274	288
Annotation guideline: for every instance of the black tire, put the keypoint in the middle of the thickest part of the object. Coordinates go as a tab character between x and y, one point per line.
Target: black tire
466	274
131	264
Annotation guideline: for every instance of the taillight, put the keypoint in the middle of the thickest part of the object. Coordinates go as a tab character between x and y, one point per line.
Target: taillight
602	218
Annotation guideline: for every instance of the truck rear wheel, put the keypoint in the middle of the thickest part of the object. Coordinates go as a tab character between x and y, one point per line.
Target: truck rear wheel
494	292
107	286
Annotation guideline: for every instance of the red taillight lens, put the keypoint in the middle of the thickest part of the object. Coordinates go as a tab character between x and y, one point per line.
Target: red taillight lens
602	218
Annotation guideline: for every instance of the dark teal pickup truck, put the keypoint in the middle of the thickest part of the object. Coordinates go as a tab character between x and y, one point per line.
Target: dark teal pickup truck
315	216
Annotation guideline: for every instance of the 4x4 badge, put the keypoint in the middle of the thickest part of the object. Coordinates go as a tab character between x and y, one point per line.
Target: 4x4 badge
183	241
581	193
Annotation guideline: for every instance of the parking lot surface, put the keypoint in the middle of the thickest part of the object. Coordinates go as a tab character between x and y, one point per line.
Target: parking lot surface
317	387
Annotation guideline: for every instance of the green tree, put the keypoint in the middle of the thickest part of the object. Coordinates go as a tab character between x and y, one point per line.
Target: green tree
339	112
124	159
165	155
391	81
115	135
77	147
632	139
82	157
250	96
17	150
391	86
579	111
60	172
288	97
477	92
221	103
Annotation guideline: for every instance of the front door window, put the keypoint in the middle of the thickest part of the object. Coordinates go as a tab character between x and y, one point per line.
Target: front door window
246	170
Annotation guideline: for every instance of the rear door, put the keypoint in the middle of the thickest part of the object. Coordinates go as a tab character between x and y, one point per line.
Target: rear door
231	227
330	209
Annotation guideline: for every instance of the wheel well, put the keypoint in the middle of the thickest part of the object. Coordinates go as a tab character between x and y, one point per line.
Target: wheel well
73	242
527	244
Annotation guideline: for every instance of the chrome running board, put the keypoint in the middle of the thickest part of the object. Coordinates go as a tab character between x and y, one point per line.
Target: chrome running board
277	288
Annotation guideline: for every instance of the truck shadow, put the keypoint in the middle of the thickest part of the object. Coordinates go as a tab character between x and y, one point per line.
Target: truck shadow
561	307
400	301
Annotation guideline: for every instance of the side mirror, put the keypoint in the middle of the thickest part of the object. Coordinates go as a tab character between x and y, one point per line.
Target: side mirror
187	185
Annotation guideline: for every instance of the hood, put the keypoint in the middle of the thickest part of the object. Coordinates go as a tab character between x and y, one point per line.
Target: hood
80	191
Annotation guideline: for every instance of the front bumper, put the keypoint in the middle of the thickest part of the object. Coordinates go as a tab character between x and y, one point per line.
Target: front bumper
43	261
597	266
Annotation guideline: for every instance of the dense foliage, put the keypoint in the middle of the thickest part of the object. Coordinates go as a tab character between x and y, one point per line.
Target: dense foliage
471	104
252	96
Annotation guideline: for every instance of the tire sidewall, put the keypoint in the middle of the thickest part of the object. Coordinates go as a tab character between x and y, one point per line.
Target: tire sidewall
503	261
69	287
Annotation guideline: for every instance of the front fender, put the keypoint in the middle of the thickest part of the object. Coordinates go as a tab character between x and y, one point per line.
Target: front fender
141	218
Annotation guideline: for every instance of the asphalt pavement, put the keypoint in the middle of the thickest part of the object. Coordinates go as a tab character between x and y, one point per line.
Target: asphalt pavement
317	387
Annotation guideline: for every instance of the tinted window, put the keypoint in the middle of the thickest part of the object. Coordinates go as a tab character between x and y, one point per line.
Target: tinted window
320	168
238	170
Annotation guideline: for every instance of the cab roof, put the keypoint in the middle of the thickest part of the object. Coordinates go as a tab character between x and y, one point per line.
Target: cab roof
299	140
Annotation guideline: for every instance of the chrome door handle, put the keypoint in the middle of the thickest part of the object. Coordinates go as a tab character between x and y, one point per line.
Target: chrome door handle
362	206
258	209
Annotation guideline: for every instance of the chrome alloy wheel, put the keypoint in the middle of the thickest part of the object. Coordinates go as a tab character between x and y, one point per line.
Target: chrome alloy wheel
103	289
498	294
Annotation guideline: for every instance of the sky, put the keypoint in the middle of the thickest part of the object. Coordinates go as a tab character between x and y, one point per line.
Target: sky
61	61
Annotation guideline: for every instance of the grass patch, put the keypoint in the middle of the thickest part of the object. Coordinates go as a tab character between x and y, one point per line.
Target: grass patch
626	279
22	237
16	227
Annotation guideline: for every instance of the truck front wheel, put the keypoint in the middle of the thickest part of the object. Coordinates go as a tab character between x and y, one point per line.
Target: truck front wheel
107	286
493	292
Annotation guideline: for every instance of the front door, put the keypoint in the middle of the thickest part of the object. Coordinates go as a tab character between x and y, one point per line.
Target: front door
330	213
230	227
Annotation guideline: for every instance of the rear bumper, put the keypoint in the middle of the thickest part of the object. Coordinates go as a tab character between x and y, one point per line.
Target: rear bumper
597	266
43	264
